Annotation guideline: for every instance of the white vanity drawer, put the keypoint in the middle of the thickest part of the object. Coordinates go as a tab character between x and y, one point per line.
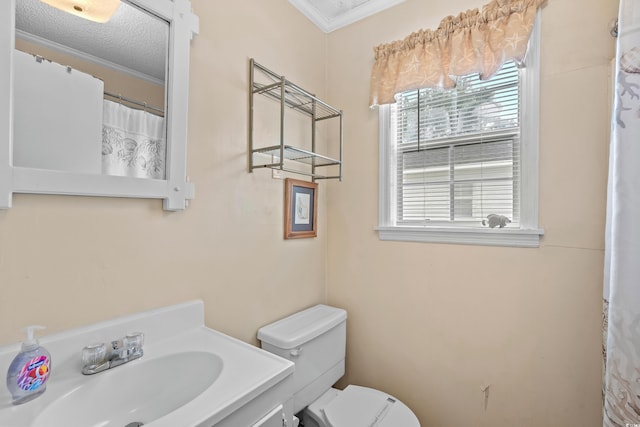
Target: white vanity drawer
272	419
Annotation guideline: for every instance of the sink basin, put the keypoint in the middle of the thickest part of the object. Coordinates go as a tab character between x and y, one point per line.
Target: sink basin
137	392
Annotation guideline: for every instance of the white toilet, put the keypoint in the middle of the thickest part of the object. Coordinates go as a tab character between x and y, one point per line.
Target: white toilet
315	340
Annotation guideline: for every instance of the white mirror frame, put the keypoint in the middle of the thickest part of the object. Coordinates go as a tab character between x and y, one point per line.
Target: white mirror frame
175	190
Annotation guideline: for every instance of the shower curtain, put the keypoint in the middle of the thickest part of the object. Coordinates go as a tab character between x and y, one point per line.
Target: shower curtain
621	314
133	142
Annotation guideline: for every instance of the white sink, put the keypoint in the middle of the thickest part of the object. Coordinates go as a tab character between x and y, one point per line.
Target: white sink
138	392
189	376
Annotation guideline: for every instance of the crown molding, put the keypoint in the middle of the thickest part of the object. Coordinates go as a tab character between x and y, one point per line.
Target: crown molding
328	24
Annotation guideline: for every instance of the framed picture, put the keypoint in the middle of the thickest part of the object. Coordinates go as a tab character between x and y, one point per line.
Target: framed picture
300	209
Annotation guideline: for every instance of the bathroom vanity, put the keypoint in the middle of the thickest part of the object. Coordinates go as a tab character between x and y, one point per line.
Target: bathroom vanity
189	376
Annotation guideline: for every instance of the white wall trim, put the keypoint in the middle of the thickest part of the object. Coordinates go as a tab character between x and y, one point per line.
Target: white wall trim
386	208
7	42
514	237
529	133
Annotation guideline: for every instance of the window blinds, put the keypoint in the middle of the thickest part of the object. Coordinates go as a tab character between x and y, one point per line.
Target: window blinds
457	151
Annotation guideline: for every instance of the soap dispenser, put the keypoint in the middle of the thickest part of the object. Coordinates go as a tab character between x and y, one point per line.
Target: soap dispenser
30	369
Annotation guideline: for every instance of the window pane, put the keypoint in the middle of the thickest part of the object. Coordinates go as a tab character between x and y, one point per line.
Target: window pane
472	106
426	202
425	185
458	150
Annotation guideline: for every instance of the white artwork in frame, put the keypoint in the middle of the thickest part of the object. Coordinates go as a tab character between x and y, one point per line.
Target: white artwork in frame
303	203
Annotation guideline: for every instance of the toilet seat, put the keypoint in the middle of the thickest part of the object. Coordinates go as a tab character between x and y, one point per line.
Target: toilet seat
359	406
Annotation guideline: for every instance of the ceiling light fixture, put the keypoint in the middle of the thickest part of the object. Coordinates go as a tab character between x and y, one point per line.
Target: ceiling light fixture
93	10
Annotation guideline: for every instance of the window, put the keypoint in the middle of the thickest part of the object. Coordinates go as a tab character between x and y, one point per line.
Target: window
457	151
449	158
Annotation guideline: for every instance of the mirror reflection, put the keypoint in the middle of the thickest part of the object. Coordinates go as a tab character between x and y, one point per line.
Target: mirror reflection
90	97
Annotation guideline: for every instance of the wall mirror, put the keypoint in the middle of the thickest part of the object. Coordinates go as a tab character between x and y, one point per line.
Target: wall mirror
96	109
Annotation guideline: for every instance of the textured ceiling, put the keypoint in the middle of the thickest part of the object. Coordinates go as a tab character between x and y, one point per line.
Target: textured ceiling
329	15
132	38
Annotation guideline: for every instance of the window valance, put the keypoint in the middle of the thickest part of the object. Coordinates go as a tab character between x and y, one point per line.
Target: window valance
472	42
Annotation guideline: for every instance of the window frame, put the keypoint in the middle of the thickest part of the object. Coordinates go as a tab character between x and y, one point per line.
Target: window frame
528	233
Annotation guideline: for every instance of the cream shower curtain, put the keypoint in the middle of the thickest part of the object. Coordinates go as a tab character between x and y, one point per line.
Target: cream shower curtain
621	317
133	142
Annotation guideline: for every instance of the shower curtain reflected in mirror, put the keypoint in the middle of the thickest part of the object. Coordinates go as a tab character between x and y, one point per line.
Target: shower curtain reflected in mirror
133	142
621	314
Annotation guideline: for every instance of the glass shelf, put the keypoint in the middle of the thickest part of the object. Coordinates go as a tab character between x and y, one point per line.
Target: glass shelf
297	154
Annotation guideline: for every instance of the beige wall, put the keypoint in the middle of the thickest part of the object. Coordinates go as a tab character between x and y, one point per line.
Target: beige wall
69	261
433	324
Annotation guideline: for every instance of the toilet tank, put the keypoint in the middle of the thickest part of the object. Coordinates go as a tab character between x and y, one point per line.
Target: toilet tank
315	340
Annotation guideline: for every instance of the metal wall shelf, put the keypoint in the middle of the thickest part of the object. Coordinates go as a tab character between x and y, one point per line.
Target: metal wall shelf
267	83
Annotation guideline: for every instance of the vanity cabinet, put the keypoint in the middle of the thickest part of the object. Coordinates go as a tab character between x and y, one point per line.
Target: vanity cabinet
304	157
275	418
272	408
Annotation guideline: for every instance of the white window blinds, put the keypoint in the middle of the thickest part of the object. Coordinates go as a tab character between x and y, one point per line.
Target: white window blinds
457	151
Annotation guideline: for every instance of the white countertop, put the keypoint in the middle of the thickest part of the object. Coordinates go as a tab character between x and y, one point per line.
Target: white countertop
247	370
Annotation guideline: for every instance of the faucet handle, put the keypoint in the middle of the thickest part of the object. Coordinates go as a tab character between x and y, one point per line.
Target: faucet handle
94	355
133	341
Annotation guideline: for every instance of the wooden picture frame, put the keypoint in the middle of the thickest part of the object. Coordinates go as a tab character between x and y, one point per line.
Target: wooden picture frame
300	209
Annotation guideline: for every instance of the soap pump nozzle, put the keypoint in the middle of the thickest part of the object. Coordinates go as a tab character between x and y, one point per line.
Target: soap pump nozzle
31	342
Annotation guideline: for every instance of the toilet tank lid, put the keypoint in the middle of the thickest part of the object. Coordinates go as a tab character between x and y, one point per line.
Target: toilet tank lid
301	327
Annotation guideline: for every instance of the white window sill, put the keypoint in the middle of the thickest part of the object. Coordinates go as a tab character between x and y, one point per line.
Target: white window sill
516	237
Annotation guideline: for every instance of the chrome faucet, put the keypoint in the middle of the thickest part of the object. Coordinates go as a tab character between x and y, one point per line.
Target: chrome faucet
101	356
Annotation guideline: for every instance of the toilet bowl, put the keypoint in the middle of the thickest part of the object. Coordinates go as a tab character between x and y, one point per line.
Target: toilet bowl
357	406
315	340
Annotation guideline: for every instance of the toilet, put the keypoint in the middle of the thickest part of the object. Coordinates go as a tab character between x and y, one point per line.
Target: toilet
315	340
